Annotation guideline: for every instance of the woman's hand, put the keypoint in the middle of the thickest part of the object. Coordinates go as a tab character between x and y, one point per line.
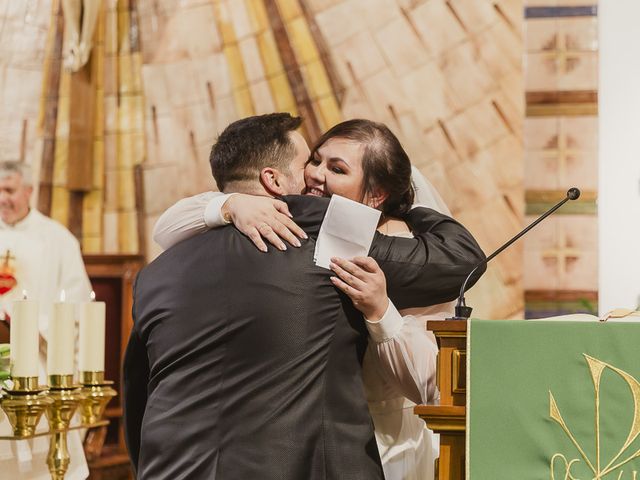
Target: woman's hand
263	217
362	280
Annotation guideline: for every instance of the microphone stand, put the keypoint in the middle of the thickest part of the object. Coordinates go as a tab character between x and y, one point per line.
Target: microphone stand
462	311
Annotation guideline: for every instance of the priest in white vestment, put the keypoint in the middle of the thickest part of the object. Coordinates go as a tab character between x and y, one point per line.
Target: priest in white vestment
45	259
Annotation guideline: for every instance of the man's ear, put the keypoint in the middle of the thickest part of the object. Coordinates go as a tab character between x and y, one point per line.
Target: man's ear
271	180
28	190
376	198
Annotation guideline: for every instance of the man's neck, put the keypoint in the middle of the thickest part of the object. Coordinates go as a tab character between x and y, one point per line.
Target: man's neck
22	217
249	188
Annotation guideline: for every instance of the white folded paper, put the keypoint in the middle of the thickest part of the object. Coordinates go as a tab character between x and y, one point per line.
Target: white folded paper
346	231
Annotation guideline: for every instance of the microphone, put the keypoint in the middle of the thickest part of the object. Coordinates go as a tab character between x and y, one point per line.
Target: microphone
462	311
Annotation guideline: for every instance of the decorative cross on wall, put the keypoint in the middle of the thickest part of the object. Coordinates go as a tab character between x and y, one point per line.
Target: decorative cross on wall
561	148
563	254
561	57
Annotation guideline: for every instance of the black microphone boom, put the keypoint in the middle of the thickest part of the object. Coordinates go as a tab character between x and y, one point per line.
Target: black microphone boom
462	311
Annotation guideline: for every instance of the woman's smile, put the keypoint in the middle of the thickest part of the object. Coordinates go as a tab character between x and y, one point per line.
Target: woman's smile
316	192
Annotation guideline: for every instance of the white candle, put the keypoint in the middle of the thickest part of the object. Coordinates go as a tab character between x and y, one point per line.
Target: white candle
24	339
62	336
92	318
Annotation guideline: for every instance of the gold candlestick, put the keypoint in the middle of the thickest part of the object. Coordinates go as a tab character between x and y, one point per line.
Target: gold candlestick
65	396
58	458
24	405
98	393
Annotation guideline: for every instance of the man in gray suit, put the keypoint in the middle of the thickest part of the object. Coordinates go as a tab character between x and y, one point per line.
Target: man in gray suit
246	365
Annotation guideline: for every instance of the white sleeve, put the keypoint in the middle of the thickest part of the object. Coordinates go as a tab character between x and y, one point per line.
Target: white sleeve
188	217
407	353
406	350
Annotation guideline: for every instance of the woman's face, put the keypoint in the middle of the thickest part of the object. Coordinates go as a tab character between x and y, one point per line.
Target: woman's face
336	167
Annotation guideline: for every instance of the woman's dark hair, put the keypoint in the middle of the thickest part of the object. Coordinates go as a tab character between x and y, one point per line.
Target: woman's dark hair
385	164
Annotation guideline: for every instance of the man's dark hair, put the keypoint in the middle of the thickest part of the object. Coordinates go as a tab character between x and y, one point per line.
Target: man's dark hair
248	145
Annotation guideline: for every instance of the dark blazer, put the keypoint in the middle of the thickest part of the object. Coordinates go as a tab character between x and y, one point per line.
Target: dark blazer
245	365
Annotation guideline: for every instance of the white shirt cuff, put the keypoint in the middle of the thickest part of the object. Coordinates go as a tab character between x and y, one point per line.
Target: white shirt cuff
213	214
387	327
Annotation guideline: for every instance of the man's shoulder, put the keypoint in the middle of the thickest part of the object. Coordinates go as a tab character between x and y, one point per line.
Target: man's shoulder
306	201
308	211
208	236
192	246
196	258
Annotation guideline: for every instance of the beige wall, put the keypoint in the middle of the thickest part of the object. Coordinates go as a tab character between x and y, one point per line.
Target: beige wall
23	36
446	76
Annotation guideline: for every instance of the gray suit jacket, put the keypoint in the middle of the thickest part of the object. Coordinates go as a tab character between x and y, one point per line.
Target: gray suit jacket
244	365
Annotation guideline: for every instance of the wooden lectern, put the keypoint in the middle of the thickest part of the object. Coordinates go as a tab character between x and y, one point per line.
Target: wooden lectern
448	419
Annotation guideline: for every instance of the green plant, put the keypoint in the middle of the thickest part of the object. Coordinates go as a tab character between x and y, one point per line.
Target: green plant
4	364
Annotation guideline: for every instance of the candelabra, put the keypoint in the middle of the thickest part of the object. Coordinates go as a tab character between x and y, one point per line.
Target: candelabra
65	396
98	393
24	405
26	401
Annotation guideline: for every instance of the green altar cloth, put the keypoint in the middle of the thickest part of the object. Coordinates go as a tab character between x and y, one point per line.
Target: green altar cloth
553	400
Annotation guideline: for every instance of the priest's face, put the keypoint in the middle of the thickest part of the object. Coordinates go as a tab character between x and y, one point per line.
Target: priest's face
14	198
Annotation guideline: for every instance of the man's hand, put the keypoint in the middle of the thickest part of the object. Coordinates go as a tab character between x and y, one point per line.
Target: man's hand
263	217
364	283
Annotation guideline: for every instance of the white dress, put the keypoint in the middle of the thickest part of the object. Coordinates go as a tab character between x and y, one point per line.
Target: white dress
47	260
399	372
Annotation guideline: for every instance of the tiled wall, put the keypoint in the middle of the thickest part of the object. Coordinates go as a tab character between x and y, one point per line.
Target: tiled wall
104	212
446	76
561	151
23	35
122	131
35	95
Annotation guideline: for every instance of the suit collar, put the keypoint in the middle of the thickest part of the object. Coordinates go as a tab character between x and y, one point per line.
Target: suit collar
308	211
